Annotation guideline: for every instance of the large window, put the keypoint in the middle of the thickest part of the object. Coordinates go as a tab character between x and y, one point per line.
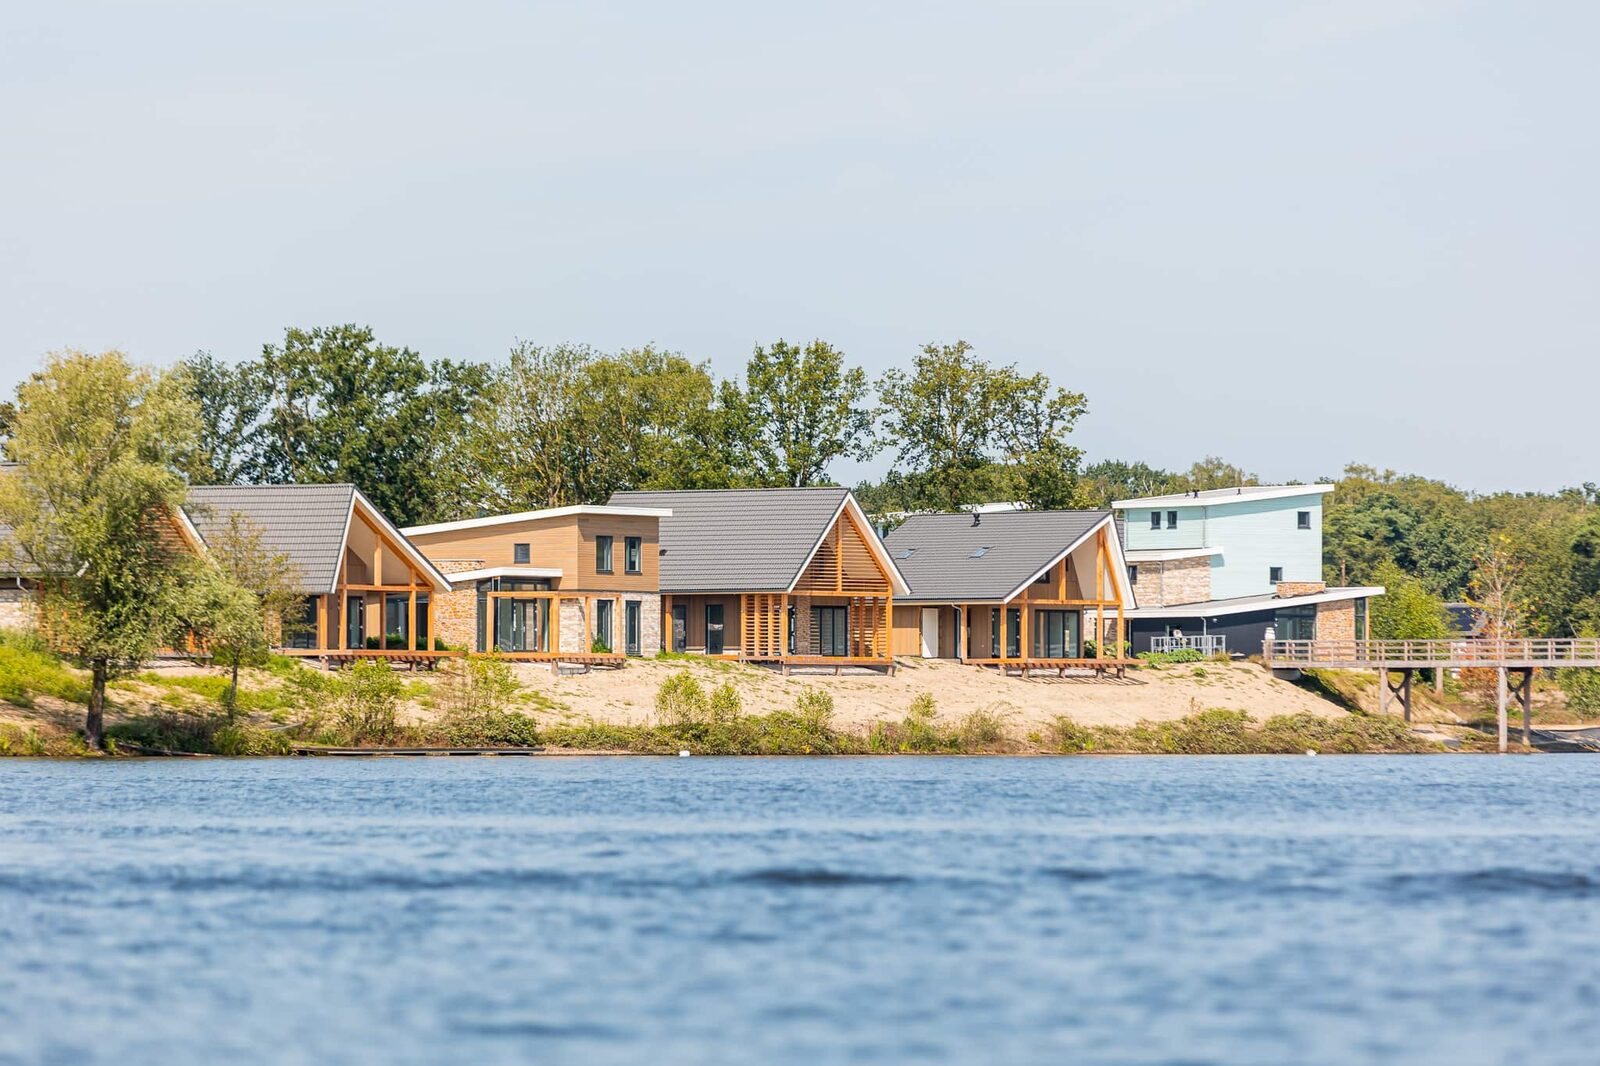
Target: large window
396	629
604	617
1056	634
512	624
832	626
300	625
602	554
633	555
715	636
1133	574
1296	623
1361	619
632	624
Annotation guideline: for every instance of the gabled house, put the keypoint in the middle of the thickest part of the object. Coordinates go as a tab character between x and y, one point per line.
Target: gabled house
369	593
1217	570
573	585
785	576
1019	590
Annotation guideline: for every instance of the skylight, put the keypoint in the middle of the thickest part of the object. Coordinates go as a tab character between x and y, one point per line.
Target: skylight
906	553
979	553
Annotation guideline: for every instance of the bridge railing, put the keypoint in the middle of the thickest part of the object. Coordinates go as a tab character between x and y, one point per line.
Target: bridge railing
1552	650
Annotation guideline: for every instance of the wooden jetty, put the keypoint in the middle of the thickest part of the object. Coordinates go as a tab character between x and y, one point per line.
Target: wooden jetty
1513	660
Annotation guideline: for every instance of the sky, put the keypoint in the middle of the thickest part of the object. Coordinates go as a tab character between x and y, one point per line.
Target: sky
1291	234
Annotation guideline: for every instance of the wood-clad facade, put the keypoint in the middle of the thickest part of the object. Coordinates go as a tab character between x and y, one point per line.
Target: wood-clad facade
573	585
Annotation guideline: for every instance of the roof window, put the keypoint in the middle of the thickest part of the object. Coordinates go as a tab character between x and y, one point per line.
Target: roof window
979	553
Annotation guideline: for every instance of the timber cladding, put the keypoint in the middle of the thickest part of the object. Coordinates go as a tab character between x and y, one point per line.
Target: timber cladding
565	542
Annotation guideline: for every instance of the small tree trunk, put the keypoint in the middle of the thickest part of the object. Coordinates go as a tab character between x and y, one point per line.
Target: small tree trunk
94	721
233	688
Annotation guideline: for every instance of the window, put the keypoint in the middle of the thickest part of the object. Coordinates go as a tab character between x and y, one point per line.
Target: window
603	612
521	554
1172	519
1133	574
1303	520
1275	574
1155	519
979	553
1295	623
633	555
1361	619
602	554
907	553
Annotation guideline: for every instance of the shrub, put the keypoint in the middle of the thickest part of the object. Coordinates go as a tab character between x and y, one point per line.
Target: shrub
680	701
240	739
366	701
1582	688
725	703
979	729
372	643
1068	736
1163	658
814	709
394	641
440	645
29	668
599	647
476	693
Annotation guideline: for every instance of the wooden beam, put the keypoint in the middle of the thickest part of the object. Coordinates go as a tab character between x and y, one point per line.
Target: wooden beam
342	623
377	561
838	557
433	632
321	604
411	621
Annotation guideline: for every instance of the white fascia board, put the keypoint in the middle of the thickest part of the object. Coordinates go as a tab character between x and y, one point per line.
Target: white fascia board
1168	555
441	583
534	516
1259	492
1218	609
1119	563
504	571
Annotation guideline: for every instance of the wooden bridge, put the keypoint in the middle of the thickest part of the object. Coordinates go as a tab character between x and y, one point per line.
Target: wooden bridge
1506	657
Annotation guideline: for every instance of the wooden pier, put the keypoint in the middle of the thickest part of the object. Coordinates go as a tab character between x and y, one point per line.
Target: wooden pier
1514	661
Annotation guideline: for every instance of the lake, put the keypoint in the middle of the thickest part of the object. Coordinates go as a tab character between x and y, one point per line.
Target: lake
988	910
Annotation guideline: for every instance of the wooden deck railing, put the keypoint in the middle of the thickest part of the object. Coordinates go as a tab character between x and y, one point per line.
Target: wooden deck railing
1548	652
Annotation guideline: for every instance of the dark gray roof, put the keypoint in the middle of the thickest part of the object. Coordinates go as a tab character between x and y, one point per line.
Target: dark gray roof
732	540
935	551
305	522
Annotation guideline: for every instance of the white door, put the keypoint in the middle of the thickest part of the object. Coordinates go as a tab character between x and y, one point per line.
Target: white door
930	632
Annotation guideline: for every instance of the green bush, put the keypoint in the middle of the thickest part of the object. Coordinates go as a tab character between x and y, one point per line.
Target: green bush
1582	688
681	701
476	693
814	709
394	641
725	704
599	647
1163	658
1227	732
366	701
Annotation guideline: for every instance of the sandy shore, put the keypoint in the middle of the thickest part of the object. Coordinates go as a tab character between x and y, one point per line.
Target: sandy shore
627	696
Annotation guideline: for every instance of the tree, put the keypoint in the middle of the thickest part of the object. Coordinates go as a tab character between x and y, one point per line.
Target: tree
1496	589
249	595
231	401
1109	480
1406	610
343	407
800	409
955	418
100	445
1216	473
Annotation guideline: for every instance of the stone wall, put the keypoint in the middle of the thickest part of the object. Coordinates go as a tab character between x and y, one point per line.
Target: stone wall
1287	589
649	622
455	613
1163	584
16	609
1336	620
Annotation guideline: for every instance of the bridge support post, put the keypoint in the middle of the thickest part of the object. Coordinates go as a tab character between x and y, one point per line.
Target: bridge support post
1405	693
1438	681
1500	706
1383	689
1524	694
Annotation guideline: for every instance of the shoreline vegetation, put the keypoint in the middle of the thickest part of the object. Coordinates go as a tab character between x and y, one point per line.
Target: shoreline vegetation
479	703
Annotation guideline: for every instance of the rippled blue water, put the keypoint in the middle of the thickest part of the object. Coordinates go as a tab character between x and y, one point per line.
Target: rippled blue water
1133	910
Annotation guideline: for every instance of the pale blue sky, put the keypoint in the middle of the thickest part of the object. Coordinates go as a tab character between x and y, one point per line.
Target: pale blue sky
1293	234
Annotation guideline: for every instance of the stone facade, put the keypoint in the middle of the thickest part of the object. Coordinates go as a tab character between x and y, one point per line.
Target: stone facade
16	609
1162	584
455	613
1287	589
649	622
1336	620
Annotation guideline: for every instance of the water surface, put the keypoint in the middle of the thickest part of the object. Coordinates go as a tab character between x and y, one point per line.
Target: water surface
1096	910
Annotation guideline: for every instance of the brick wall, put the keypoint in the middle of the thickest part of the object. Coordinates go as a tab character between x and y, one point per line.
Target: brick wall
1336	620
455	613
1300	588
1162	584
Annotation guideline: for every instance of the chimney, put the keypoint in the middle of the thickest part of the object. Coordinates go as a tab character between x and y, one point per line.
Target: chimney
977	519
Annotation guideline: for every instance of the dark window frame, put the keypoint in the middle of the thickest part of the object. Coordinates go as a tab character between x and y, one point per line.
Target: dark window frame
1302	520
1155	519
1274	574
1133	573
633	555
604	555
1172	519
521	554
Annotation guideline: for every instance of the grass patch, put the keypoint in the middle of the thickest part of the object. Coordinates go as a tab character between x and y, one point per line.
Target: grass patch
48	743
29	669
198	733
1225	732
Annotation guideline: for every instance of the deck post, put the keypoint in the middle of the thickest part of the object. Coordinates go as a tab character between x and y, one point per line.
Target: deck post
1405	693
1383	689
411	620
1438	681
1525	697
322	622
1500	706
342	623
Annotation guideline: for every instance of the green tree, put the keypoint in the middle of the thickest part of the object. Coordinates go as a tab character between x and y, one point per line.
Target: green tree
246	598
100	446
343	407
1215	473
231	400
955	419
799	410
1112	479
1406	610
